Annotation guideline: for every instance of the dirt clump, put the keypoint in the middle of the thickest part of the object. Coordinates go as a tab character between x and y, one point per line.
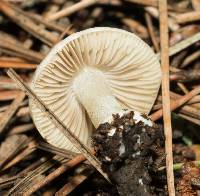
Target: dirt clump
130	152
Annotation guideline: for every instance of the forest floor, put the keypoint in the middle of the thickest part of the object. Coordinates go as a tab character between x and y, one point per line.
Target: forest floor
30	166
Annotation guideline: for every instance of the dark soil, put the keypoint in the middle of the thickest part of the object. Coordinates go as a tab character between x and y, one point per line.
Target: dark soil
131	155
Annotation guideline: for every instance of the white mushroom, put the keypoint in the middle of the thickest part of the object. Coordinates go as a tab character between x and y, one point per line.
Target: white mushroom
91	75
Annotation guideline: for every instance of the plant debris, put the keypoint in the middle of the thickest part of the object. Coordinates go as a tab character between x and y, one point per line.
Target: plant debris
29	166
189	183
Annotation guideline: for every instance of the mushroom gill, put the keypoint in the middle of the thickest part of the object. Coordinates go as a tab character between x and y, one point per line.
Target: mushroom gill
89	76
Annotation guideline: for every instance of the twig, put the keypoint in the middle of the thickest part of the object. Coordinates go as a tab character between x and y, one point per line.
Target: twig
12	59
21	186
165	94
21	142
5	183
48	24
195	99
64	33
183	44
23	111
60	170
193	120
189	59
179	58
60	152
74	182
31	147
10	38
8	84
152	32
110	2
188	17
28	24
11	111
186	109
186	75
180	46
153	3
72	9
196	5
19	49
173	26
8	95
81	147
11	52
21	129
18	65
135	26
177	103
182	87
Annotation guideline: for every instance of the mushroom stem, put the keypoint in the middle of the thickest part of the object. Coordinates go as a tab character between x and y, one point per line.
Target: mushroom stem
93	92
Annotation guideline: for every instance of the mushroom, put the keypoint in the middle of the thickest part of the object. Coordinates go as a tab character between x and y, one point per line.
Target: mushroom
90	76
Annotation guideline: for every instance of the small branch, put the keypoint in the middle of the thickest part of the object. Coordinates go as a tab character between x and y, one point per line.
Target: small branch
177	103
8	95
8	84
196	4
60	170
23	52
11	111
58	151
17	65
193	120
164	41
153	3
25	152
28	24
152	32
176	61
135	26
48	24
64	33
186	109
21	129
183	44
189	59
186	75
59	124
173	26
74	182
31	177
72	9
188	17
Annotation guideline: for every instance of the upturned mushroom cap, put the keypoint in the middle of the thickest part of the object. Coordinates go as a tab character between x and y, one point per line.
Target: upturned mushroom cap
128	65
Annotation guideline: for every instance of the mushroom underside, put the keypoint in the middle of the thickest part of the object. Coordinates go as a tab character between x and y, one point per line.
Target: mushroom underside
124	69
